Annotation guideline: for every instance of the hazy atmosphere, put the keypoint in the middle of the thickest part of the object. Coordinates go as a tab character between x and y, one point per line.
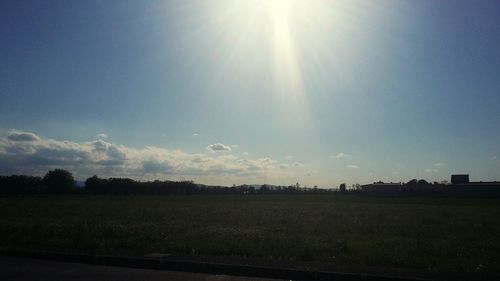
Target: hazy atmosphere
251	91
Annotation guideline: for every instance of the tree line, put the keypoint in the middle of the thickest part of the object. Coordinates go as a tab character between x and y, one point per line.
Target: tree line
59	182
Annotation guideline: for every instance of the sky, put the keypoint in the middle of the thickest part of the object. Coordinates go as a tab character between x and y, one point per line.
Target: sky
251	91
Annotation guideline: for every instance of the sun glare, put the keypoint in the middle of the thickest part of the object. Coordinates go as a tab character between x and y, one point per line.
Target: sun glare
285	37
287	74
278	7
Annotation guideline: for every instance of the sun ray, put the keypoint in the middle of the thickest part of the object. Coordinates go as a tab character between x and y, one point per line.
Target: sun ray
266	52
287	74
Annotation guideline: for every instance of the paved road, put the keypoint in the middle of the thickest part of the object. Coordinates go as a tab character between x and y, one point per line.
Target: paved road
22	269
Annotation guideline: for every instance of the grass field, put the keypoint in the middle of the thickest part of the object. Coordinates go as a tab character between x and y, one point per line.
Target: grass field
416	233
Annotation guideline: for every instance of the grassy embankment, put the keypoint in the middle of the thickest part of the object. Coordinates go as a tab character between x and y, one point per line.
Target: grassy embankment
416	233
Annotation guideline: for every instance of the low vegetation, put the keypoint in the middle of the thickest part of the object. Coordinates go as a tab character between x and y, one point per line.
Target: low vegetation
437	234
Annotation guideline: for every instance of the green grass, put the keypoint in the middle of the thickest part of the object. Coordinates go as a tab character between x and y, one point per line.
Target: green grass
453	235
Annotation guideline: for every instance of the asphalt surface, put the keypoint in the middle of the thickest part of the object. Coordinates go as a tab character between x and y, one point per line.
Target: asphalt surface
24	269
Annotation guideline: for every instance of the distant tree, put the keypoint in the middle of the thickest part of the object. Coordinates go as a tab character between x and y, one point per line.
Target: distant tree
93	184
422	182
342	187
251	189
59	181
412	182
20	184
264	188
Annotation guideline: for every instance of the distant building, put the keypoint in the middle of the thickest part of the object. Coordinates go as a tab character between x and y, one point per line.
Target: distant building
459	179
461	186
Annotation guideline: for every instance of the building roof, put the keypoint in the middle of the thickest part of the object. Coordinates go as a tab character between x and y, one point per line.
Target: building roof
463	178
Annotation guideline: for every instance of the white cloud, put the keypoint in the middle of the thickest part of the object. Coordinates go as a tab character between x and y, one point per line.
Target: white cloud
216	147
439	164
288	157
195	134
102	136
15	135
298	164
27	153
341	155
352	166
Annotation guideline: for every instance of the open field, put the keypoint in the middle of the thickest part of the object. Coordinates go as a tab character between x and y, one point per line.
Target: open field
415	233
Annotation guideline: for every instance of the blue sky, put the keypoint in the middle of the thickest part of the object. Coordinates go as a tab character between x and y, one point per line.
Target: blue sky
251	91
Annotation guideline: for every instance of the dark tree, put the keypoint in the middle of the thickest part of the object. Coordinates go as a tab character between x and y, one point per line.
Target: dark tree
422	182
342	187
93	184
251	189
59	181
412	182
20	184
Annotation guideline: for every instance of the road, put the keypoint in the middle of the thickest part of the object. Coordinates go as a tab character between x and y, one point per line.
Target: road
23	269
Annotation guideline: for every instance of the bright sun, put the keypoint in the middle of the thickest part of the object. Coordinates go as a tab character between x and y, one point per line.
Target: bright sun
285	37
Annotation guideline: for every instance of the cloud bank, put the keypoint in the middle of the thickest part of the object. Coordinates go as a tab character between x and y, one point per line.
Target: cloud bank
27	153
